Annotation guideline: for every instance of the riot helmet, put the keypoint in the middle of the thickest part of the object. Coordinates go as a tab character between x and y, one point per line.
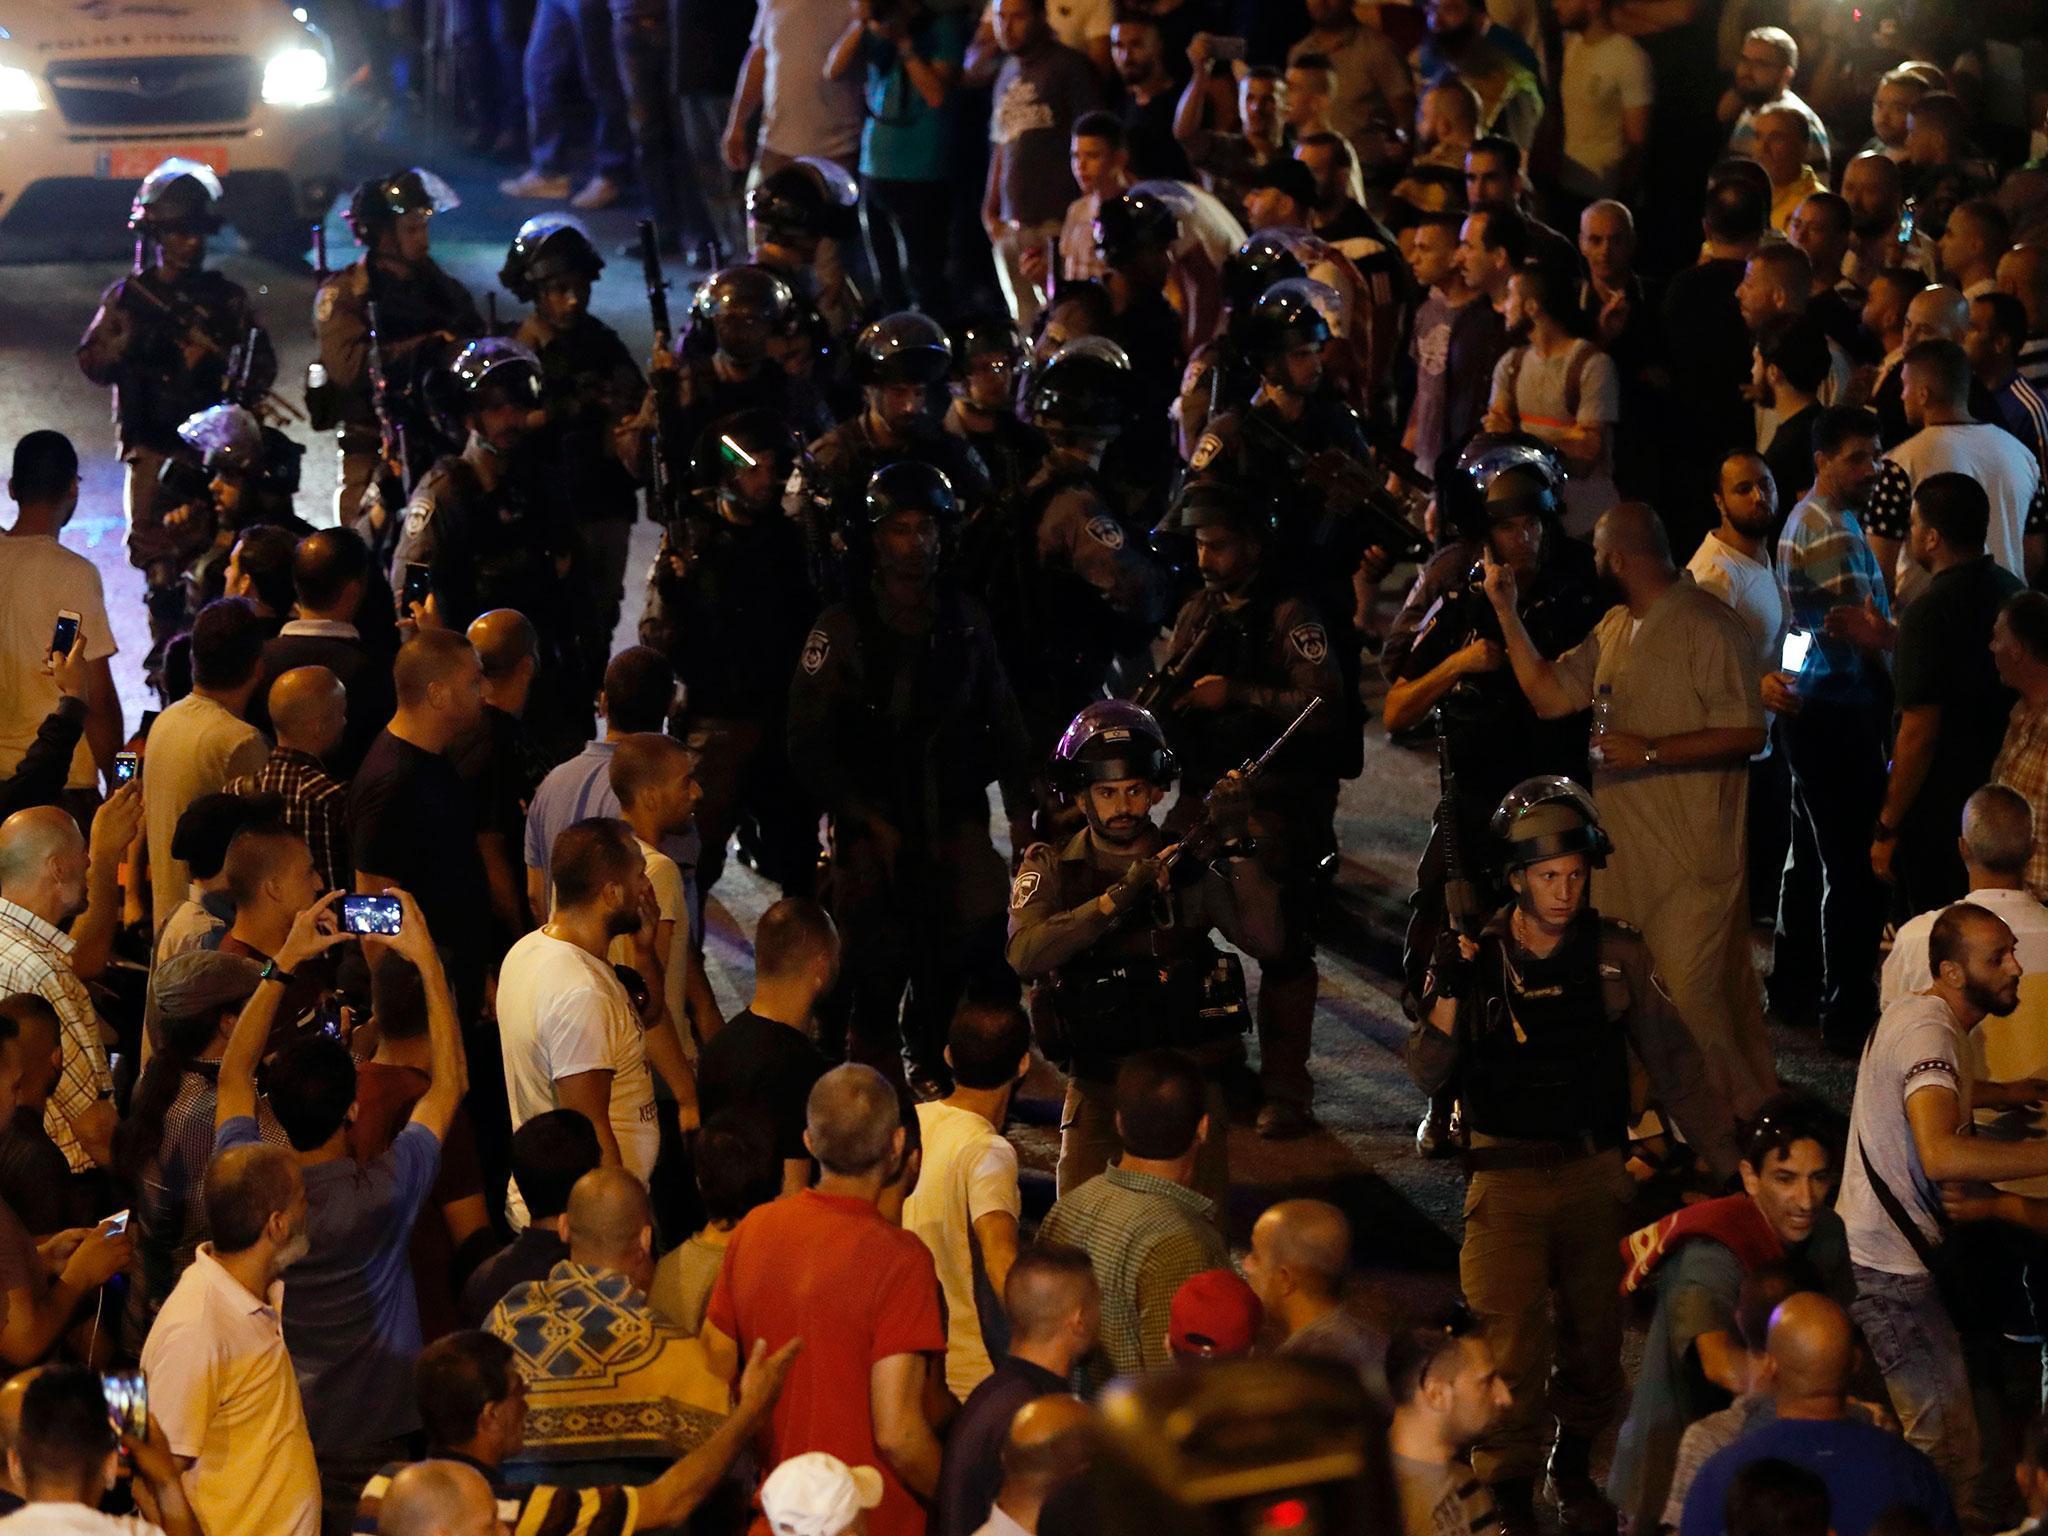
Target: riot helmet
550	247
985	336
903	348
228	438
1108	740
487	372
740	308
179	195
1547	817
910	485
1257	265
1132	223
1289	314
1084	387
381	201
743	441
800	203
1209	501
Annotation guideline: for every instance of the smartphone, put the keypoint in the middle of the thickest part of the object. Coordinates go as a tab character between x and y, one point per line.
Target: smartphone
127	1395
379	915
66	634
1226	50
117	1223
1793	658
327	1018
419	581
125	765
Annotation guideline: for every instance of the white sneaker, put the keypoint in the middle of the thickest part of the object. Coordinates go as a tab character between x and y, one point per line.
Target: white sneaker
598	192
537	184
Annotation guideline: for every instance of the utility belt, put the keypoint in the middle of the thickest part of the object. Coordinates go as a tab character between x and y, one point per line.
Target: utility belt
1097	1014
1487	1156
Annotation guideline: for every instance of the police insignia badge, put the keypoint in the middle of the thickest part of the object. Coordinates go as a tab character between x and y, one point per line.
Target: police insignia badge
323	304
817	646
417	516
1023	888
1106	531
1310	643
1205	452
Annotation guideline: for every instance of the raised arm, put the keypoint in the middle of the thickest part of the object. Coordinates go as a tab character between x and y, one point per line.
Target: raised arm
313	932
1540	679
445	1059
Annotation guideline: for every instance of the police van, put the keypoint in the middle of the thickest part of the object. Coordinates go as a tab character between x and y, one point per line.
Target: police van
95	93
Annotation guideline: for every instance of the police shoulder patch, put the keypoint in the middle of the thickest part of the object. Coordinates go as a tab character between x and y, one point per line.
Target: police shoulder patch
1106	531
1311	643
1023	888
323	303
1206	449
817	646
418	515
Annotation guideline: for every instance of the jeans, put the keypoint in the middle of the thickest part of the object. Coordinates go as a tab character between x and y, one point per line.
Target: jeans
668	180
1914	1343
570	53
482	38
1837	756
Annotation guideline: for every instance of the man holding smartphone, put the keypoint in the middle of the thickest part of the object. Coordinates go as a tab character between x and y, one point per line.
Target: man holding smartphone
39	578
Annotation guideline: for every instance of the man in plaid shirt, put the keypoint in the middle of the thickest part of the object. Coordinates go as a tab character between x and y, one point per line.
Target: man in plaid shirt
1832	716
42	885
309	713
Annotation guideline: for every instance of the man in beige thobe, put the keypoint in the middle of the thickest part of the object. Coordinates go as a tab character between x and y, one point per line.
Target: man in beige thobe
1674	673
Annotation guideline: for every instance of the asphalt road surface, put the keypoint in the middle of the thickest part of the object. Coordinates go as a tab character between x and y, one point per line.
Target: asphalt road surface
1405	1211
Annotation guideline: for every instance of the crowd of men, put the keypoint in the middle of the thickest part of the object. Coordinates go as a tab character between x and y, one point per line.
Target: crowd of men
1678	467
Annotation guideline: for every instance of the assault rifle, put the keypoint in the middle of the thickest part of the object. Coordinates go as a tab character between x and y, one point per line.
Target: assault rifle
1463	910
1161	692
658	476
1200	838
1351	488
190	325
394	475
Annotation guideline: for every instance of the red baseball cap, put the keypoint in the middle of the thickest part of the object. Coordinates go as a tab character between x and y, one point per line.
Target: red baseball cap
1215	1316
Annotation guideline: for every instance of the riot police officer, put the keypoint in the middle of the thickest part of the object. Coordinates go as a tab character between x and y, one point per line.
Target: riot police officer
1534	1022
1246	655
900	716
988	360
898	362
726	364
1116	945
801	223
247	476
1067	584
729	605
422	315
1443	660
481	523
592	392
171	338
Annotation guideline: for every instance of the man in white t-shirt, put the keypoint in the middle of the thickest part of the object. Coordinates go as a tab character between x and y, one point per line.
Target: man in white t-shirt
1997	841
1911	1132
1734	561
655	778
804	110
1946	438
40	578
1607	92
573	1038
966	1203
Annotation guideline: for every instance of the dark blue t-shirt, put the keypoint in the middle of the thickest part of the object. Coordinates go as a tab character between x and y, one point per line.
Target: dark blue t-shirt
1867	1472
351	1316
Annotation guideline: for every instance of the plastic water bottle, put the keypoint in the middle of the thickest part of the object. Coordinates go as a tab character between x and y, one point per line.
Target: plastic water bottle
1603	719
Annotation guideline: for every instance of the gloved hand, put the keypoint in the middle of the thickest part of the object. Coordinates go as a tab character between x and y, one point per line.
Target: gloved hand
1450	973
1228	807
1138	882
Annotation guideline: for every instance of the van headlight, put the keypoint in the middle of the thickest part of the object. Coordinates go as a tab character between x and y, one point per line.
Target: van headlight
18	90
297	77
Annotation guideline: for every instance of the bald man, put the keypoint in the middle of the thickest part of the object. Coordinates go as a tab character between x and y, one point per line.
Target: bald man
1049	1443
439	1498
308	717
43	866
10	1430
1937	312
1301	1250
1677	672
1910	1132
1876	194
1869	1472
590	1400
1997	842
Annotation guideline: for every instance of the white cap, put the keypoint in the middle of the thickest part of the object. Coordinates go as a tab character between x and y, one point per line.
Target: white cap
818	1495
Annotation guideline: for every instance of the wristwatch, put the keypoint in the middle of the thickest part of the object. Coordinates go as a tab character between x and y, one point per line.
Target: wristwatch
272	971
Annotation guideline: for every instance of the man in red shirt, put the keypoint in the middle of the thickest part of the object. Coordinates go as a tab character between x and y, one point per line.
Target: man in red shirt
822	1265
